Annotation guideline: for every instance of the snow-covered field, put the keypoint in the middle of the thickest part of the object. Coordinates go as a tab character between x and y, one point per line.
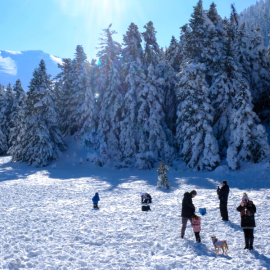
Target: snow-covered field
47	220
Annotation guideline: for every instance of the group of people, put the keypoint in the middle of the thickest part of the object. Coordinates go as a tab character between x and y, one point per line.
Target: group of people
246	208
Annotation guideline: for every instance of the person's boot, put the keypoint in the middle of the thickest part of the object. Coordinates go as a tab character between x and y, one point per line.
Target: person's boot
182	236
198	240
251	243
247	243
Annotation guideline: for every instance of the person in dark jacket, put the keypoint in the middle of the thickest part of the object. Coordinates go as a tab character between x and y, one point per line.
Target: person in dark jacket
223	194
188	210
95	200
247	210
146	198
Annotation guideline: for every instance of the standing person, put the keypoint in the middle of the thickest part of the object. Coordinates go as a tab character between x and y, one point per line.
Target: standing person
247	210
196	225
223	194
188	210
95	200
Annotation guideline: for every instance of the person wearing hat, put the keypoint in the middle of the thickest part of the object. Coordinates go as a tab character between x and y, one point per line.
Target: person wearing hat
247	210
223	194
146	197
188	210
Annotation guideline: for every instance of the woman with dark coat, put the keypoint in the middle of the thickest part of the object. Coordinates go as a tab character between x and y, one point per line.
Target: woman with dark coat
247	210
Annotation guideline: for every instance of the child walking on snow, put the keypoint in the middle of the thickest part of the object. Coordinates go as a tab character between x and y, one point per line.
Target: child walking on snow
96	200
196	225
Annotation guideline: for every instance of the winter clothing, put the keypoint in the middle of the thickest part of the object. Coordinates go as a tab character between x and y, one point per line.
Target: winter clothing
249	238
218	243
146	198
247	221
247	214
193	192
184	225
96	199
245	196
223	210
223	194
196	224
188	209
197	236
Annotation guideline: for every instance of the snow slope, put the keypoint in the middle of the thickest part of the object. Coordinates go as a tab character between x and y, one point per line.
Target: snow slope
47	220
20	65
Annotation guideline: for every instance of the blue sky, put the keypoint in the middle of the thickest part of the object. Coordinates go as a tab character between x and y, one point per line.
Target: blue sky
57	26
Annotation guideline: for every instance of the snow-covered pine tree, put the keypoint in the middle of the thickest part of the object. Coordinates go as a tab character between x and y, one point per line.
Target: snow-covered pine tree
64	86
40	139
162	175
3	136
249	140
152	127
7	108
110	99
166	78
194	33
259	66
214	39
223	89
174	54
134	81
152	53
83	99
17	117
197	143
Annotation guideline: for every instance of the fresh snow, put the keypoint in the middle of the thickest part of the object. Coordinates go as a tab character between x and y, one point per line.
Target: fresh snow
47	220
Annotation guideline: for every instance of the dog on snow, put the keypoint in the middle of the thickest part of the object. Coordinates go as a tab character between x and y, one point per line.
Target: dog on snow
219	244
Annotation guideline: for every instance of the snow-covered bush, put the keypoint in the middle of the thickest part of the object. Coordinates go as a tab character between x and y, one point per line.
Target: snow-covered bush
162	175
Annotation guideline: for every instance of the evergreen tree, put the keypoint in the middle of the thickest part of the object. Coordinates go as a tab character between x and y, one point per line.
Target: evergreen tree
134	81
153	144
249	140
40	140
3	136
152	53
110	99
174	54
198	145
17	117
259	67
162	175
65	89
167	79
7	108
195	39
82	102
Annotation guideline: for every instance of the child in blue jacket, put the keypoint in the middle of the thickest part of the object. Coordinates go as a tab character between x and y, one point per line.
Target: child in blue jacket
96	200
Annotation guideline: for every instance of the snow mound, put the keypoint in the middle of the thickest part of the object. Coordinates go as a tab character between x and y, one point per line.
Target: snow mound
222	168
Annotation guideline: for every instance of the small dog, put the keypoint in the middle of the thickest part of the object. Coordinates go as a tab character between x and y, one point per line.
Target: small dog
219	244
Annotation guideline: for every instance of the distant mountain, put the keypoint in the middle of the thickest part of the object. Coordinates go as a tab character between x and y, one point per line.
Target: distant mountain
20	65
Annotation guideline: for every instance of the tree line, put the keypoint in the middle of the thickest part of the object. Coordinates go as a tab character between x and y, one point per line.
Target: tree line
140	104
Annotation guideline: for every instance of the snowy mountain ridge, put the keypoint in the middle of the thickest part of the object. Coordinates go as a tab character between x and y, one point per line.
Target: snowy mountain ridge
21	64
